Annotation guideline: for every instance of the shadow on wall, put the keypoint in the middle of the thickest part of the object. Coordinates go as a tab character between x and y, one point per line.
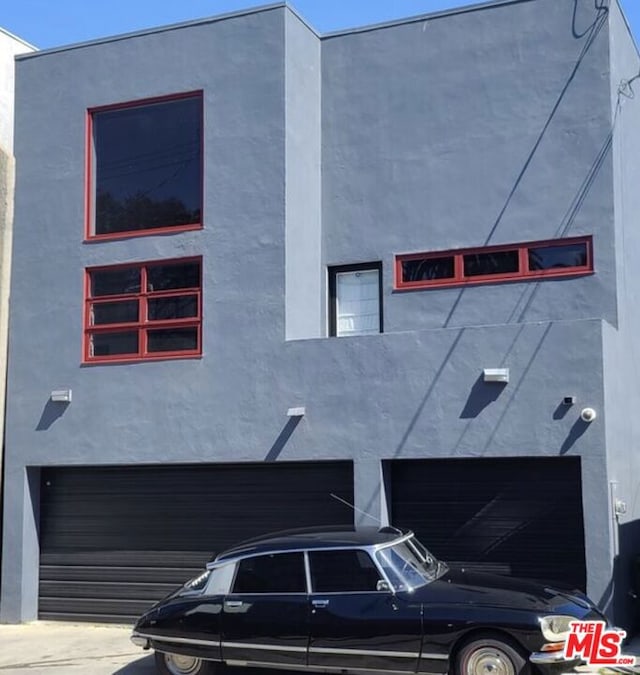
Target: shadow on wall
482	394
53	410
621	598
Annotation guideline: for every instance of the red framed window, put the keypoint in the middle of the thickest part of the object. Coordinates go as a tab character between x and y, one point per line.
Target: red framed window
144	167
491	264
142	311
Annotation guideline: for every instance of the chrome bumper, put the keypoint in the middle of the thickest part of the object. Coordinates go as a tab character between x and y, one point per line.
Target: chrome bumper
549	658
140	641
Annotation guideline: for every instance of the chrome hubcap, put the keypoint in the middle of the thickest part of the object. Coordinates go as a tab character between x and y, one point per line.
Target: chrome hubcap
181	665
489	661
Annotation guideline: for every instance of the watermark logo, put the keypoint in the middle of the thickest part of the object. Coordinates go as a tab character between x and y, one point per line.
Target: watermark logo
596	644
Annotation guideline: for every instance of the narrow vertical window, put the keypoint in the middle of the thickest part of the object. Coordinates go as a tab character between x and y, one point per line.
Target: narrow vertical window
355	294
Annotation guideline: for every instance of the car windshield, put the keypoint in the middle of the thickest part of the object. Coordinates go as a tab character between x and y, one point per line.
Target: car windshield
409	565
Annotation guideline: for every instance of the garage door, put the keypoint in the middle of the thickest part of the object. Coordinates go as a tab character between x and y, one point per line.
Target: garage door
113	540
521	517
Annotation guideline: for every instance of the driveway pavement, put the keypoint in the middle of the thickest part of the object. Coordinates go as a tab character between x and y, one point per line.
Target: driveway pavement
56	648
52	648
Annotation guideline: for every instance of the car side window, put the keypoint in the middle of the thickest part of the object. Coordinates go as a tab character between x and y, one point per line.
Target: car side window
276	573
342	571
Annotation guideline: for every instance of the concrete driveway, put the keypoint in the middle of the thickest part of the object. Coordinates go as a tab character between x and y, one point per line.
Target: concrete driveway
52	648
56	648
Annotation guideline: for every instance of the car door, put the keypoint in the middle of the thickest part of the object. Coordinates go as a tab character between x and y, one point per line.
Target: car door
265	617
354	625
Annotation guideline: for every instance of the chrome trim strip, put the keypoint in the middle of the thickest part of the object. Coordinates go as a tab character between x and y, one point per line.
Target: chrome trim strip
363	652
316	669
268	648
180	641
301	549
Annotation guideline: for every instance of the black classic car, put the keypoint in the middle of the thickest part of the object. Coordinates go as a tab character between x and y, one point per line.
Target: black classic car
366	600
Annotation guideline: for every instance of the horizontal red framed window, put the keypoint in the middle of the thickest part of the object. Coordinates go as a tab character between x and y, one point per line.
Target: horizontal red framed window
150	310
144	167
491	264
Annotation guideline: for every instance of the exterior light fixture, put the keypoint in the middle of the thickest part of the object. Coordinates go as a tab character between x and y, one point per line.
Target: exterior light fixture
61	395
296	412
496	375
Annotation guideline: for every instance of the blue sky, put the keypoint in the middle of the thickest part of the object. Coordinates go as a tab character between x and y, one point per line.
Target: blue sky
50	23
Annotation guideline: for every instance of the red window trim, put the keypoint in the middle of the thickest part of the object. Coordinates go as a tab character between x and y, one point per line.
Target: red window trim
89	235
143	325
523	273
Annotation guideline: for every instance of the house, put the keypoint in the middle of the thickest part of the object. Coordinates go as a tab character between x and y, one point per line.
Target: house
261	274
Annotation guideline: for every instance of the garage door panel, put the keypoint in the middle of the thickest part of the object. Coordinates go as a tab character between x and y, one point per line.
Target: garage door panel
101	590
113	539
520	516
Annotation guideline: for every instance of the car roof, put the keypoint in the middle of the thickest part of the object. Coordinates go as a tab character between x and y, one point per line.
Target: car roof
314	538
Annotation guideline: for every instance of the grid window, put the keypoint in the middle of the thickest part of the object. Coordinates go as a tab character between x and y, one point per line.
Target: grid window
143	311
145	167
491	264
355	297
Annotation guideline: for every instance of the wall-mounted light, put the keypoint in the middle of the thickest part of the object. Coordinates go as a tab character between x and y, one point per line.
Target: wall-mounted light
61	395
588	415
296	412
496	375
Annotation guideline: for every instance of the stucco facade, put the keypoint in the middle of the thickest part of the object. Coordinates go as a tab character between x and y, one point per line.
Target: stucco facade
503	123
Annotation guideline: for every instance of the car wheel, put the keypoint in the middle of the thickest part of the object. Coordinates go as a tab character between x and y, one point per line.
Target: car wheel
490	656
176	664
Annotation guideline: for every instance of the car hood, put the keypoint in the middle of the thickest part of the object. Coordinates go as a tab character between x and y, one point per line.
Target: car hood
461	586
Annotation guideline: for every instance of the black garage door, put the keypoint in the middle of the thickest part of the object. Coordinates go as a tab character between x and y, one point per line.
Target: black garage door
521	516
114	539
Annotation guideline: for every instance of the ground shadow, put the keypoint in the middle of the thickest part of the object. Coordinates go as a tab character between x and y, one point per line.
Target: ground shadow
143	666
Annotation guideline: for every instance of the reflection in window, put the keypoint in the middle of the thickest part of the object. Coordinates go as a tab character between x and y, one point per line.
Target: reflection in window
143	311
496	262
147	163
342	571
550	257
428	269
277	573
491	264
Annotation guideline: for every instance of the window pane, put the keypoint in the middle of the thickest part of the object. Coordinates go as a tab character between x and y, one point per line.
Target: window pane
115	282
168	277
181	307
550	257
342	571
357	303
148	166
427	269
279	573
173	340
114	312
497	262
109	344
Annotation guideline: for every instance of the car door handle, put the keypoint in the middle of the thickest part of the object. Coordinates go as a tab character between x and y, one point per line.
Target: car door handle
319	603
233	603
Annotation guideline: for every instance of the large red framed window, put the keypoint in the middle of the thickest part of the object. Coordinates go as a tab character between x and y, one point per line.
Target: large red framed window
144	167
491	264
150	310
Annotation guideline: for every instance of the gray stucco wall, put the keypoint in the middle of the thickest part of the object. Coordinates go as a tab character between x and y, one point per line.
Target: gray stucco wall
496	142
468	129
621	349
